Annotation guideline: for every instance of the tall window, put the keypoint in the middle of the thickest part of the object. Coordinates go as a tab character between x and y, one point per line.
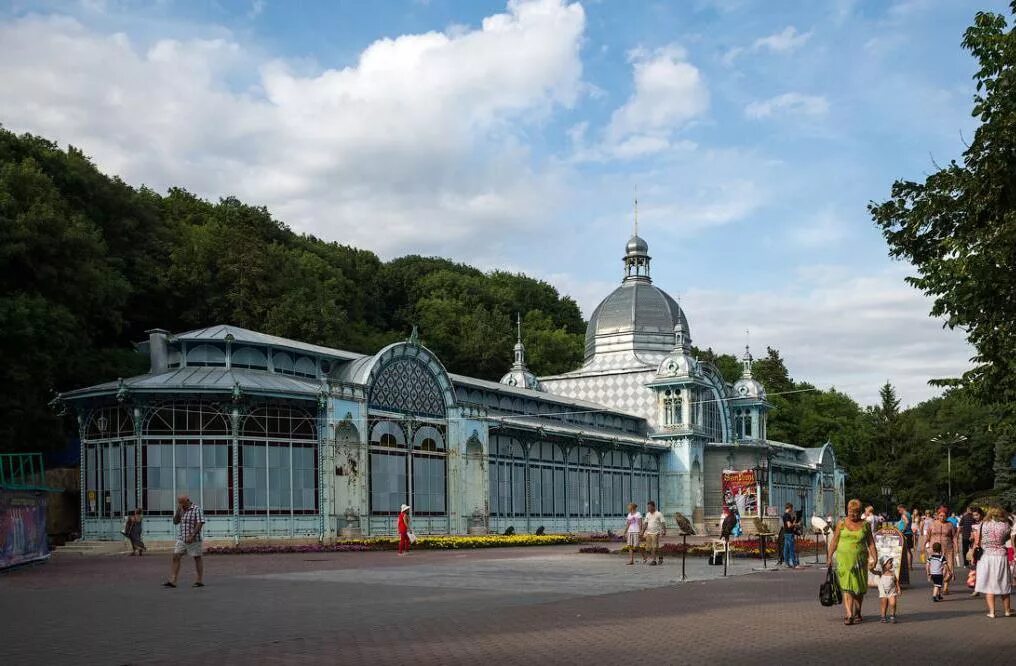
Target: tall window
110	463
187	451
278	461
428	480
672	407
508	477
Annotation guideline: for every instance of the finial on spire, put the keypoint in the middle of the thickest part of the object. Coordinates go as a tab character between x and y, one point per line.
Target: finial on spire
636	230
518	327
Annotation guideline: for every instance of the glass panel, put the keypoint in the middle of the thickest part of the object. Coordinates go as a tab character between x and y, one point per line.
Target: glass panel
559	492
388	483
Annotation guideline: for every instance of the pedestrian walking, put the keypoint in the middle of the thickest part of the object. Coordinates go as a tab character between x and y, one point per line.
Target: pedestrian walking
888	590
790	528
654	527
188	520
939	571
632	531
854	549
966	523
993	575
905	526
941	533
134	530
406	536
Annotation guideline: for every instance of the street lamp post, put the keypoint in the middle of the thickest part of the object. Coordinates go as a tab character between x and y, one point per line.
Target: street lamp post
887	492
762	478
949	440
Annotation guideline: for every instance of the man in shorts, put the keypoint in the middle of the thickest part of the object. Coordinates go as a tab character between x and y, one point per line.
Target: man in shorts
653	528
188	520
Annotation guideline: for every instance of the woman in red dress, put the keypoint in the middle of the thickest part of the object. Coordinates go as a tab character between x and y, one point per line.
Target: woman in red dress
404	530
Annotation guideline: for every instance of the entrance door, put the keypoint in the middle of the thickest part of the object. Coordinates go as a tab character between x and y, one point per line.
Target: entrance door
110	487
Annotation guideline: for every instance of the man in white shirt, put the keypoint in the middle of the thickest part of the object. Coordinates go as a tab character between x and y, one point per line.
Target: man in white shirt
653	528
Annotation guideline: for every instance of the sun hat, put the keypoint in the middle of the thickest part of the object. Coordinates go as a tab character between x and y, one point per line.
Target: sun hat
405	507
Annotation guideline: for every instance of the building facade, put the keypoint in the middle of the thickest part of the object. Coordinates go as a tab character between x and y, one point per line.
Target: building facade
278	438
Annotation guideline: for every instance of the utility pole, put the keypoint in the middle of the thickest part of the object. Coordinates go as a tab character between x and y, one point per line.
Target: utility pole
949	440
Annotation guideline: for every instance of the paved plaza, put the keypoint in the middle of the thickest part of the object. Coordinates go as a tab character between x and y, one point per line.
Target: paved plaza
499	606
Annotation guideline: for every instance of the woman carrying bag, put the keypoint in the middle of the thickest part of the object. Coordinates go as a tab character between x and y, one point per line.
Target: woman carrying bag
406	536
853	546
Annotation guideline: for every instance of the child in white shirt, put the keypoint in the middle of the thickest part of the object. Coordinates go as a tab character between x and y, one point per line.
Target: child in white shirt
888	590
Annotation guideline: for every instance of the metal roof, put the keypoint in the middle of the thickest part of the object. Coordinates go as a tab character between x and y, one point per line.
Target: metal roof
206	380
220	331
553	426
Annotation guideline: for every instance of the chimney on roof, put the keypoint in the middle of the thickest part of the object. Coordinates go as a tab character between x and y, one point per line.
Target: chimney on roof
158	354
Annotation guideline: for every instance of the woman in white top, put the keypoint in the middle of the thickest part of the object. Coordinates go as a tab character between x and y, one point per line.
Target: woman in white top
633	530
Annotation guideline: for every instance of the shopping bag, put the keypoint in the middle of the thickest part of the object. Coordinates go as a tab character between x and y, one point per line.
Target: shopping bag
412	537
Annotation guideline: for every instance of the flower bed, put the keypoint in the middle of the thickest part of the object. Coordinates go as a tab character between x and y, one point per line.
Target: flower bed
390	543
738	547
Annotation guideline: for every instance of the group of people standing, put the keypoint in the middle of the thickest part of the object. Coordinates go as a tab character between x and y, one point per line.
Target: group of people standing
980	540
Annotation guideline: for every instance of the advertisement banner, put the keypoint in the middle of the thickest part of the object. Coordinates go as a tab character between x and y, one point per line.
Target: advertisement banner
740	491
888	543
22	527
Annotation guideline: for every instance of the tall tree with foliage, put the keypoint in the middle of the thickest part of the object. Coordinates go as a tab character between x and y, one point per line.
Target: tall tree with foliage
958	227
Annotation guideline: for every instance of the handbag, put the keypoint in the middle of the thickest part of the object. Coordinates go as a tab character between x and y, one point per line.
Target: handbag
978	551
829	593
412	537
972	579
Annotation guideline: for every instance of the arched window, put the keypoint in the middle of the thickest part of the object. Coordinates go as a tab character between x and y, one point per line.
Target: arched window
206	355
283	363
305	367
248	357
387	433
428	438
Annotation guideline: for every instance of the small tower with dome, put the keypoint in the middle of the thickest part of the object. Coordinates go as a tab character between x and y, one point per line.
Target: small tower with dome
519	374
749	404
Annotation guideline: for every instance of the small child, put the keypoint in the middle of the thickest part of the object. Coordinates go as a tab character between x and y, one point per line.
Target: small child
939	571
888	590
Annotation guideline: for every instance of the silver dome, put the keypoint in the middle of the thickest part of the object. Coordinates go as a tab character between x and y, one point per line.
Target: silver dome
636	245
636	316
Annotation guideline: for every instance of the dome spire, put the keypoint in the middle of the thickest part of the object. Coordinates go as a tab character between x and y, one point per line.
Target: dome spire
519	374
635	228
520	349
746	358
636	252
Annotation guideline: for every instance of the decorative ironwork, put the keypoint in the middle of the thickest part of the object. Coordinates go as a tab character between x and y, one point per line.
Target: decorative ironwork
406	385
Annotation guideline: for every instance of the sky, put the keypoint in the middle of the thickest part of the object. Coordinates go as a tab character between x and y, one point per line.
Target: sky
514	136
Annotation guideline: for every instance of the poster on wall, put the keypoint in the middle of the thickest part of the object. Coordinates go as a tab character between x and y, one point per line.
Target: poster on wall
740	491
888	543
22	527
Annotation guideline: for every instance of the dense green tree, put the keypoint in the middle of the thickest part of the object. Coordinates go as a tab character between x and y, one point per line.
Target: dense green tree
958	227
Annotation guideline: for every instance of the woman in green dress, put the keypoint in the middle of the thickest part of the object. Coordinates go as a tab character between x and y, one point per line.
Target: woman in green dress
854	548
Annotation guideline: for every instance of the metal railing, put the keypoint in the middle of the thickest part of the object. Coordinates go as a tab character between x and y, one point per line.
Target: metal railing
22	471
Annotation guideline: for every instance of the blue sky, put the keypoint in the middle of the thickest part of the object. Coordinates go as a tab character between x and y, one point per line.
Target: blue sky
512	136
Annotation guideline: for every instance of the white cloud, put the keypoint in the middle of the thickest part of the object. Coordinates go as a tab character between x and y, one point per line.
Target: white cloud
835	328
669	92
792	103
786	41
422	131
822	230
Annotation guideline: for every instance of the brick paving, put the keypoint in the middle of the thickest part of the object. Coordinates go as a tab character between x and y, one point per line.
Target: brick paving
524	606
